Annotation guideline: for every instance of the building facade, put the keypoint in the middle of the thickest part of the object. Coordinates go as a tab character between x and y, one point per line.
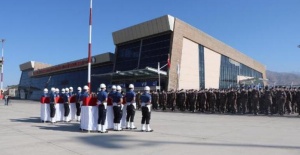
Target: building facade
195	60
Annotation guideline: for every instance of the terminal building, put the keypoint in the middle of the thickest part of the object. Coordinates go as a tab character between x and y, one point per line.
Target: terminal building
187	57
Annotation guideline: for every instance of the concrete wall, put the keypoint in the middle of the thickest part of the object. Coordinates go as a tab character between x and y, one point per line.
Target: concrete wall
184	30
212	63
189	68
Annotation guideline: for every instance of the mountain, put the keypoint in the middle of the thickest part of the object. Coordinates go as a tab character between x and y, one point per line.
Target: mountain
282	78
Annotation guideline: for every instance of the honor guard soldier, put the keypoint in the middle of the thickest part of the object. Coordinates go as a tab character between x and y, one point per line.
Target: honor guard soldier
52	97
117	107
65	96
102	105
146	110
71	91
57	92
131	106
78	106
45	94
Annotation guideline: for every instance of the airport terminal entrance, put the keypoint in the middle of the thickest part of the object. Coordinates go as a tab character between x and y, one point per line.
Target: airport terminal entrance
139	77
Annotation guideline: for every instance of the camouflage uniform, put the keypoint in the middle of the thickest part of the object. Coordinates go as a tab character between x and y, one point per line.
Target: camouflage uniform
268	101
255	101
244	101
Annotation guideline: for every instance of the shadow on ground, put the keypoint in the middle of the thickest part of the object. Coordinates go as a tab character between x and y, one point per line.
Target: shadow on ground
120	141
27	120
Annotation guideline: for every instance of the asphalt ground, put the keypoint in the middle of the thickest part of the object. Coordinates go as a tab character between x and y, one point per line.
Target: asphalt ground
22	132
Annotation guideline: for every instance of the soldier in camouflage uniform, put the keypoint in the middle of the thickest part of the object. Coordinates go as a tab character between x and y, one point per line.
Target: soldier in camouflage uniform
163	100
212	101
298	100
250	100
138	101
154	100
268	100
281	98
223	101
182	99
192	100
262	105
274	109
232	97
203	99
255	101
172	100
288	101
244	100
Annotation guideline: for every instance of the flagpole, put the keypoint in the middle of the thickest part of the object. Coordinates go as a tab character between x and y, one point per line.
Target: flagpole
90	46
158	72
2	40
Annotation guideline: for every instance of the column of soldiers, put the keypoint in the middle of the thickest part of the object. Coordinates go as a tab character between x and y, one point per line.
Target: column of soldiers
251	100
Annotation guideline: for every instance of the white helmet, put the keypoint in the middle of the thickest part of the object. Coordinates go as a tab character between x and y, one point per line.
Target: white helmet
131	86
86	87
147	88
102	85
56	90
63	90
119	88
71	88
79	89
53	89
113	87
67	89
45	90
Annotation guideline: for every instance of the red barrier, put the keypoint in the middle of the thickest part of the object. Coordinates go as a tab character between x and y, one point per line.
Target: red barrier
73	99
45	100
59	100
109	102
89	101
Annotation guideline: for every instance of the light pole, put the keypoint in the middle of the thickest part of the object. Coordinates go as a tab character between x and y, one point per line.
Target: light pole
1	87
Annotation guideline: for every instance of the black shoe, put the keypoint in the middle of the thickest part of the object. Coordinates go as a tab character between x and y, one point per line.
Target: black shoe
133	128
150	130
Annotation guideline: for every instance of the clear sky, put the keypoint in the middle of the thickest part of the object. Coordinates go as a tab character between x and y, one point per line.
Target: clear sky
56	31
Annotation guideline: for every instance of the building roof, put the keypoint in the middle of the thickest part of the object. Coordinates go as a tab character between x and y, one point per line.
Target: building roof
148	28
40	69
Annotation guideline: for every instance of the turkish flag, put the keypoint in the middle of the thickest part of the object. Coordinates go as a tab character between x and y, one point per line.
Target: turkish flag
169	62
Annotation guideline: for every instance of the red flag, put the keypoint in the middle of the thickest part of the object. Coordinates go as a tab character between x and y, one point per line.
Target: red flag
169	62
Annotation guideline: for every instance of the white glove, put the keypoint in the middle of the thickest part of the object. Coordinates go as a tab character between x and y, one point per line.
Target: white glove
80	103
134	105
149	107
122	106
105	104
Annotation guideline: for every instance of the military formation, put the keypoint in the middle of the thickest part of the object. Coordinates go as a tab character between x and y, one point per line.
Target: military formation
122	106
250	100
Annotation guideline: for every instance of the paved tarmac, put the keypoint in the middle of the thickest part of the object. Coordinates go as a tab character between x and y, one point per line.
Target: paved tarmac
21	132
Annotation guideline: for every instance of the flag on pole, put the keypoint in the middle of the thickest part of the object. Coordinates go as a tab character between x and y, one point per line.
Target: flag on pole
169	62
